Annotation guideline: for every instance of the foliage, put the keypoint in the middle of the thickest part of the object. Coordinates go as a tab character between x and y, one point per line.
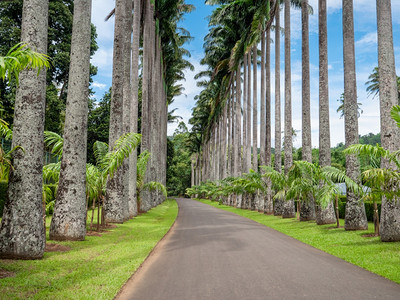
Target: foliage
21	57
178	161
58	50
120	252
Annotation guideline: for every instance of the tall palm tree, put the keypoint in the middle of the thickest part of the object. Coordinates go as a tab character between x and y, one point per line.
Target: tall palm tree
278	205
390	212
355	218
134	105
127	99
237	150
307	209
114	207
327	215
269	208
69	218
248	112
244	126
262	101
22	234
288	207
255	132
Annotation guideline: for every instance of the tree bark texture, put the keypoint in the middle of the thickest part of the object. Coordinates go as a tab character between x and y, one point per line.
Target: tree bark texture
327	215
22	234
114	206
69	218
390	212
355	218
248	120
288	207
278	204
132	202
244	125
255	133
307	208
237	154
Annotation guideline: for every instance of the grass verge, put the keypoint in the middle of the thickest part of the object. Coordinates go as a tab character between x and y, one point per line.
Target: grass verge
96	268
366	252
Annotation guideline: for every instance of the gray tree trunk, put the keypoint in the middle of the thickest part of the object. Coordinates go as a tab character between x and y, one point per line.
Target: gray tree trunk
255	133
244	126
69	218
355	218
327	215
269	205
278	204
145	196
390	213
307	208
237	154
22	234
132	202
262	197
114	208
248	111
127	99
288	207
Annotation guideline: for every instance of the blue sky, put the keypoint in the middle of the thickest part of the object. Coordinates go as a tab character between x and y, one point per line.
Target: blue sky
366	60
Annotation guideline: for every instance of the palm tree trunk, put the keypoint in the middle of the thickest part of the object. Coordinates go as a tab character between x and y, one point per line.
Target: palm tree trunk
146	97
255	133
248	111
288	207
355	218
278	205
244	127
69	218
22	234
262	102
390	211
134	107
307	208
127	99
114	206
269	205
237	154
324	215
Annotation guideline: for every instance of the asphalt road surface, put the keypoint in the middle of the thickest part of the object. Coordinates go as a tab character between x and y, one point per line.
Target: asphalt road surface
213	254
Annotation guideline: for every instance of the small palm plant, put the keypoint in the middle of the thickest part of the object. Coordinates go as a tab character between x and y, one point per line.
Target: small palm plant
142	161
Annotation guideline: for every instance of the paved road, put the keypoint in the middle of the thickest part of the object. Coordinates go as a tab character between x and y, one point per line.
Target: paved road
214	254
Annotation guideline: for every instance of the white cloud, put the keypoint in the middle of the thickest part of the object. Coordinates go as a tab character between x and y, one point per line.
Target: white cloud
367	40
99	85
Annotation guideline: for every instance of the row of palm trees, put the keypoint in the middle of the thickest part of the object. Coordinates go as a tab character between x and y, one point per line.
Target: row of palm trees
148	61
236	28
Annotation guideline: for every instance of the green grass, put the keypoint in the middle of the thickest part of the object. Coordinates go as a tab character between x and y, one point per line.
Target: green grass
93	269
367	252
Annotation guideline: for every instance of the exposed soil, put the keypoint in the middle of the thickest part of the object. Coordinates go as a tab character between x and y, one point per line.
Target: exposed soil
103	229
56	248
93	233
335	227
370	235
5	274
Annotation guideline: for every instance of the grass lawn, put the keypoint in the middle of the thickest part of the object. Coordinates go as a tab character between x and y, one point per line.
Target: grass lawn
93	269
367	252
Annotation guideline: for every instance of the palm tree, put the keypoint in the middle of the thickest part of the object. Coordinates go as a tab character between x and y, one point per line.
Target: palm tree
355	218
22	234
134	105
244	126
114	208
307	209
288	208
255	148
388	95
278	205
269	203
69	218
126	100
327	215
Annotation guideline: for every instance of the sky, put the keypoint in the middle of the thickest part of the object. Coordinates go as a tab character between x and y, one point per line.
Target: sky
197	24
